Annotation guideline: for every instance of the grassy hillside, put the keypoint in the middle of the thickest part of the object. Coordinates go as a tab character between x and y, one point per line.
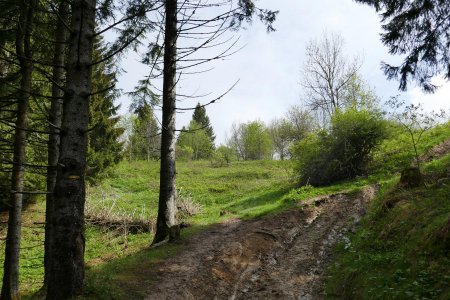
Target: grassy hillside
252	189
243	189
239	188
402	249
397	152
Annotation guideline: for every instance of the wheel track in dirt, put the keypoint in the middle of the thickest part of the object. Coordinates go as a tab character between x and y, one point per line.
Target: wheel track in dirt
282	256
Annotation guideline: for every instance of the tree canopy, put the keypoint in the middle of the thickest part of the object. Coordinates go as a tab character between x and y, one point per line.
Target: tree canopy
251	140
327	74
197	139
418	30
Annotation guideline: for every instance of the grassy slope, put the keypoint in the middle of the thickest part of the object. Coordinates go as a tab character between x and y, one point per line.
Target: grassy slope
239	188
250	189
396	152
244	189
402	249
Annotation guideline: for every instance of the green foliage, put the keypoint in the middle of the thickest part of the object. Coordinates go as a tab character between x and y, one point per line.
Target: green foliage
358	95
302	122
343	152
223	156
414	121
104	150
202	119
251	141
281	132
184	153
197	139
396	152
401	242
311	156
256	141
143	141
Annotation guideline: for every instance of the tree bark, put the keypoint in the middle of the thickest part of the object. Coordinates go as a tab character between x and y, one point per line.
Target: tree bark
10	287
55	119
166	223
66	266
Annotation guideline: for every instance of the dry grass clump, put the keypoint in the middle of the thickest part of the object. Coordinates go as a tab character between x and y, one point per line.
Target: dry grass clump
107	215
186	206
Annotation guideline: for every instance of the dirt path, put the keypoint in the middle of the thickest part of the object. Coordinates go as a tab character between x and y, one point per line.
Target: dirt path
281	256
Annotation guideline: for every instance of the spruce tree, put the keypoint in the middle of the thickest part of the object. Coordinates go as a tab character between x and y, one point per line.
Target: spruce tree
201	118
144	142
176	59
104	150
196	139
23	45
66	265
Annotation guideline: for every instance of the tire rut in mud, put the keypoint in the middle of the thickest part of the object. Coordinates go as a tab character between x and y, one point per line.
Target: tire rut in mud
281	256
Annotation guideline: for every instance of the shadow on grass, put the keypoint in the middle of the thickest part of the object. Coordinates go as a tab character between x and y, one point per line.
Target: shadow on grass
130	277
266	202
117	279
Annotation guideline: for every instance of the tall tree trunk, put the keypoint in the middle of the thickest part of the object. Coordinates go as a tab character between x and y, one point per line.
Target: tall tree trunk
10	287
66	266
166	223
55	119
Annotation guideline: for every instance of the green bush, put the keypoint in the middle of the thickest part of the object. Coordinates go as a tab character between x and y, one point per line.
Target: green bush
223	156
184	153
343	151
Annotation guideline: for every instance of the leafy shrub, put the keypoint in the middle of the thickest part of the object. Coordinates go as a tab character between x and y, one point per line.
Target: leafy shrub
222	156
184	153
343	151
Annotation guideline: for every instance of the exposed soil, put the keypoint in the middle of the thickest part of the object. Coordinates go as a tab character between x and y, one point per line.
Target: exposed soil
436	152
281	256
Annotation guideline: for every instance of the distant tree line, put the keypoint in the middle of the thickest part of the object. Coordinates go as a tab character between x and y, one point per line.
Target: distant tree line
58	120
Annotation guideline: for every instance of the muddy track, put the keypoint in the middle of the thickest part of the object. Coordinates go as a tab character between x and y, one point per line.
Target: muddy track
281	256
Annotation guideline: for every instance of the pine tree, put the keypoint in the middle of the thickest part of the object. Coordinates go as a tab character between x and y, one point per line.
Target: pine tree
24	27
201	118
144	142
66	273
9	80
170	61
104	150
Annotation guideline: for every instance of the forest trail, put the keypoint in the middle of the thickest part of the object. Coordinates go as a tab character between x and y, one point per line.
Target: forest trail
282	256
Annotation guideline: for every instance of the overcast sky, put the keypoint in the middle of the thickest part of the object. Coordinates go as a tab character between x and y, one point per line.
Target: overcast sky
268	67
